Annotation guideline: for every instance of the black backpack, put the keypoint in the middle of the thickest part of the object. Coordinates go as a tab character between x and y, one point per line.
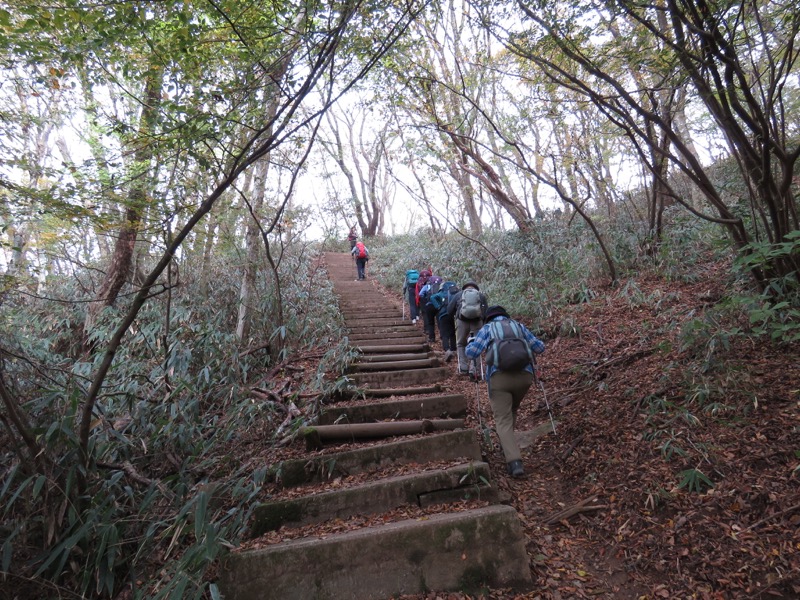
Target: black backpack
508	350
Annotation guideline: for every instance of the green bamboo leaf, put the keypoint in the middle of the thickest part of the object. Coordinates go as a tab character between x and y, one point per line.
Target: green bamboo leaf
200	515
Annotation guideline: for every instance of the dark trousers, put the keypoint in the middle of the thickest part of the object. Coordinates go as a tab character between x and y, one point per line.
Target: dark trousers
429	322
412	306
447	331
361	263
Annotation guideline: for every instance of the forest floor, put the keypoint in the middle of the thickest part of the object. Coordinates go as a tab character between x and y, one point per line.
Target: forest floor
674	471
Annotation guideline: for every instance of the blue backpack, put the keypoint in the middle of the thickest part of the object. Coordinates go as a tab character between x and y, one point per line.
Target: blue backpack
440	298
412	276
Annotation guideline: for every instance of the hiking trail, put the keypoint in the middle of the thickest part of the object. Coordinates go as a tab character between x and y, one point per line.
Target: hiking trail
407	446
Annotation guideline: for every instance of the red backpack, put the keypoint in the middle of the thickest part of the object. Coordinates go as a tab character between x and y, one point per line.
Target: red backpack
362	250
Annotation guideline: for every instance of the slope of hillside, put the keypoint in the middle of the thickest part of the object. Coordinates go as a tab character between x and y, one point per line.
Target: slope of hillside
675	468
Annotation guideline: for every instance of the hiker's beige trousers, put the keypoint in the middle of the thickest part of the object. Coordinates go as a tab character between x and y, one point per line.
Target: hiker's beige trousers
506	391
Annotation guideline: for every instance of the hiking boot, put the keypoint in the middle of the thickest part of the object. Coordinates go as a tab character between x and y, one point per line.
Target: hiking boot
464	373
448	356
515	469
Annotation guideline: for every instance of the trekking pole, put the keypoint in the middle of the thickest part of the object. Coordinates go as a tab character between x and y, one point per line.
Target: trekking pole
477	387
485	431
478	404
544	394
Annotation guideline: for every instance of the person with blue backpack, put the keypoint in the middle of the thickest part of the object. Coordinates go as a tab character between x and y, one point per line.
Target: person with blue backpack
431	287
409	293
446	323
510	348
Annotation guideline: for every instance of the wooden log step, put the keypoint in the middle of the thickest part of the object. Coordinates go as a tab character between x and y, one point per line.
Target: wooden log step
317	435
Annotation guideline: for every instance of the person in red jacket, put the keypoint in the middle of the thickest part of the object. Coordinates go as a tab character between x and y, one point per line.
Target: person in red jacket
361	254
424	275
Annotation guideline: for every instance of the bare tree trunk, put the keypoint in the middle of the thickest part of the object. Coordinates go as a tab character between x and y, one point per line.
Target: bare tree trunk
462	178
253	243
122	256
207	248
493	183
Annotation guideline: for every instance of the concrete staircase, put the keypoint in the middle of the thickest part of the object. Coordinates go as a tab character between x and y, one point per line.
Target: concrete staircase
467	549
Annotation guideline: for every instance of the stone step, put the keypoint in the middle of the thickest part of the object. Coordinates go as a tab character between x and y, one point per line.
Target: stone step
467	481
366	347
357	294
407	336
406	391
358	329
317	435
378	358
410	377
366	306
458	551
452	445
377	314
429	407
369	322
360	298
392	365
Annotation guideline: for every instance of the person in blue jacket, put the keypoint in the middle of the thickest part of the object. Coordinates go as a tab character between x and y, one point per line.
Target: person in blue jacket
506	388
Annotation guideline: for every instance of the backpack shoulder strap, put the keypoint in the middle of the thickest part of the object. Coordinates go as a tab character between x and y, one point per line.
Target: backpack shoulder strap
496	334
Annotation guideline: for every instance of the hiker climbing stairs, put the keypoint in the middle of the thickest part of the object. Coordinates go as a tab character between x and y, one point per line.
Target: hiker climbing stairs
400	443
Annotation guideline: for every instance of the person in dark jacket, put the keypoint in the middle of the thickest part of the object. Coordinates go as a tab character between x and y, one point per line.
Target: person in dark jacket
506	388
447	325
424	275
352	237
410	295
427	309
467	309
